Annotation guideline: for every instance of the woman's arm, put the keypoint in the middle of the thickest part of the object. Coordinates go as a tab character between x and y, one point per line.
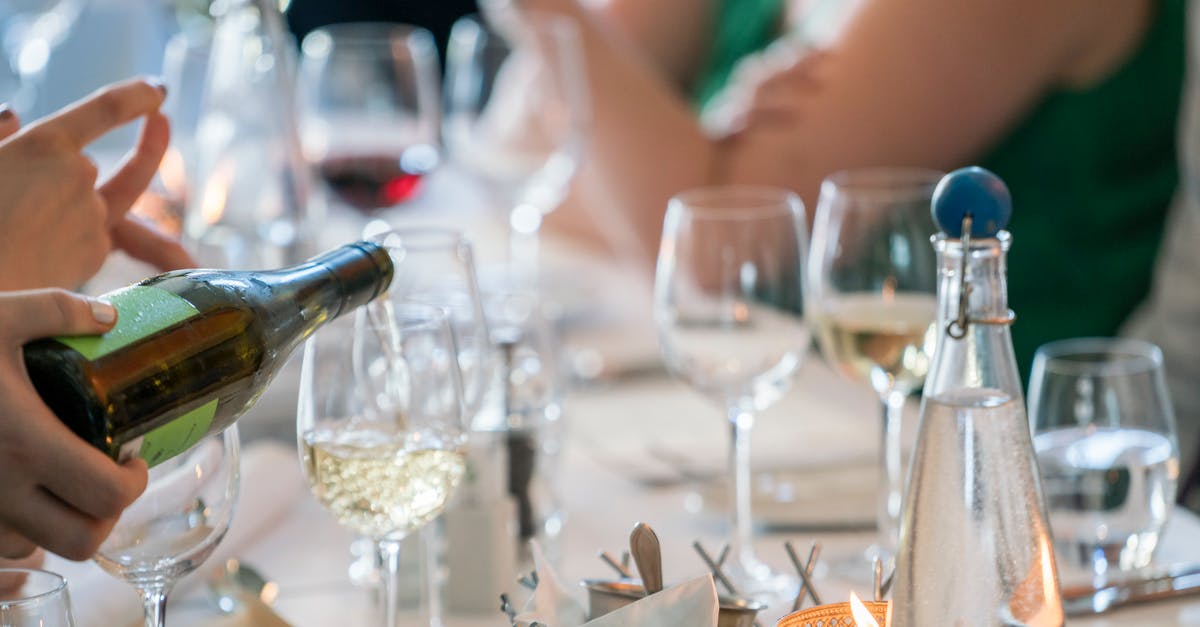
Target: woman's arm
921	82
674	35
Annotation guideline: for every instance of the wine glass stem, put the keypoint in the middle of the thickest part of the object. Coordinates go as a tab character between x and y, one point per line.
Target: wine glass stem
524	248
891	478
154	604
740	422
390	579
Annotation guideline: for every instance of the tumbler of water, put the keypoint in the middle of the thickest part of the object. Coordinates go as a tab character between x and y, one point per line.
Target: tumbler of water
1106	445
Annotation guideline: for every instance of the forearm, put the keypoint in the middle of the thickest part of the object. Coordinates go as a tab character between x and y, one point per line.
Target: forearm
646	143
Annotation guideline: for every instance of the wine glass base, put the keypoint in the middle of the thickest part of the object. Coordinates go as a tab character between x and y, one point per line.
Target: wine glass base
859	567
756	581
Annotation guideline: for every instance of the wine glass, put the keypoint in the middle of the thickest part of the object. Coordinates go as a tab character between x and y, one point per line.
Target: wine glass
516	114
177	522
436	266
380	424
728	306
873	281
369	111
185	64
42	600
1104	433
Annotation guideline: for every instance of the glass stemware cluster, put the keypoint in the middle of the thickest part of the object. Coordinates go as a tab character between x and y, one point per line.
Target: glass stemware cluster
729	311
381	426
873	282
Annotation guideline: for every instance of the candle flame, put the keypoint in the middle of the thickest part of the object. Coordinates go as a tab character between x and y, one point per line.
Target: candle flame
862	616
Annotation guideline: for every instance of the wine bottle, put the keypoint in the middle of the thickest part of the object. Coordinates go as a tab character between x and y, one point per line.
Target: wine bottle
193	349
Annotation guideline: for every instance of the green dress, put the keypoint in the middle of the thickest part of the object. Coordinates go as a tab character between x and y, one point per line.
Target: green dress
1091	172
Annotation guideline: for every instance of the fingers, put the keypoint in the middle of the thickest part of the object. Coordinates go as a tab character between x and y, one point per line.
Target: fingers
117	104
145	243
35	559
135	174
15	547
50	523
9	122
89	481
42	313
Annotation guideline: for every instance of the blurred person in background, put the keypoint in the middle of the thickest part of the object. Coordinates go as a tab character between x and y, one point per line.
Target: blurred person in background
1170	317
306	15
1073	103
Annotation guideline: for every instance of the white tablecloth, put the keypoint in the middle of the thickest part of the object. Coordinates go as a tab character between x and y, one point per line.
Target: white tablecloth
307	553
625	444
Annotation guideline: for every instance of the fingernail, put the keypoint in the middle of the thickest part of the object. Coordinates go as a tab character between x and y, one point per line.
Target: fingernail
158	83
103	312
6	113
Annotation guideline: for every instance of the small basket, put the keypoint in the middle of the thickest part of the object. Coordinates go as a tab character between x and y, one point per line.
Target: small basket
833	615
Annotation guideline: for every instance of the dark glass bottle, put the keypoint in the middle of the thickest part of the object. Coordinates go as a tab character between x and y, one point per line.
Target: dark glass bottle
193	349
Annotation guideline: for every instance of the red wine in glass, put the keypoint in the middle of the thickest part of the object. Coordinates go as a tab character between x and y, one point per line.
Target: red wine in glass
371	182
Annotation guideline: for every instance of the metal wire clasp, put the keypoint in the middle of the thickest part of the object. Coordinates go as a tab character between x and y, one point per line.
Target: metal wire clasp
957	328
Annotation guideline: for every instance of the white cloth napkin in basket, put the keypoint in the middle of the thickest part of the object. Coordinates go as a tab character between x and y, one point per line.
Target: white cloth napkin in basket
692	603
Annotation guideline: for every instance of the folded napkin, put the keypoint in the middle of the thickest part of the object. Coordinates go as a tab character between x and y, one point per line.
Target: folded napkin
692	603
271	483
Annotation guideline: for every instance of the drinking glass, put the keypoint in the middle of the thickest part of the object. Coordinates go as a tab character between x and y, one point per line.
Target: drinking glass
873	282
42	601
369	111
1104	433
517	112
176	523
729	311
380	424
185	64
436	266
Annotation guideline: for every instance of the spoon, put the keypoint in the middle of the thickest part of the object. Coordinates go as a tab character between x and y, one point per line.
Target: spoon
643	543
234	584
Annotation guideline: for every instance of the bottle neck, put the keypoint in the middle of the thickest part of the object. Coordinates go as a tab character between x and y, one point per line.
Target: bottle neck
976	352
332	283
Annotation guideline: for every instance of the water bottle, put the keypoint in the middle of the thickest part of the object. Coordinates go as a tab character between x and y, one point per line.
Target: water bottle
975	546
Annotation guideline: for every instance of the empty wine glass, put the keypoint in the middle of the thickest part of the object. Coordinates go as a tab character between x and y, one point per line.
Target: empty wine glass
41	601
436	266
1104	432
873	282
516	114
380	424
177	522
728	306
369	111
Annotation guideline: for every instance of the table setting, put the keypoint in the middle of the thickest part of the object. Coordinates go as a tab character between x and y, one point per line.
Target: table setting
525	432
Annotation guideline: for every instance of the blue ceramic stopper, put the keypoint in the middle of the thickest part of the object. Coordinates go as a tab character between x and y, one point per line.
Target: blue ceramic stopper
976	192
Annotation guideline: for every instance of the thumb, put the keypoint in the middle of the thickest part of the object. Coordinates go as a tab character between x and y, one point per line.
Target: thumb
34	314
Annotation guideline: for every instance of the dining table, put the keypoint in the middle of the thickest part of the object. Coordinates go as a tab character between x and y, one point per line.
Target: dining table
637	446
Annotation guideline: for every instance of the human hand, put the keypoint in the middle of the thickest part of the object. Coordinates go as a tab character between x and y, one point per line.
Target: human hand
58	491
767	89
57	226
10	584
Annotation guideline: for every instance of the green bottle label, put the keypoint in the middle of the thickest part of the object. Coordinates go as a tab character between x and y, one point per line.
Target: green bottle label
143	311
178	435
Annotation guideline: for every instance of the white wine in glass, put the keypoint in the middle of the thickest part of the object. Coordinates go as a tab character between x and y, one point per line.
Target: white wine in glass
381	426
873	284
